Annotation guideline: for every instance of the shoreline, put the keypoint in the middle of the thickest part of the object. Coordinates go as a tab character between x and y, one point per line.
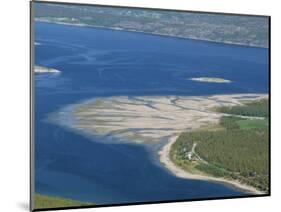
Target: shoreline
151	33
163	109
164	158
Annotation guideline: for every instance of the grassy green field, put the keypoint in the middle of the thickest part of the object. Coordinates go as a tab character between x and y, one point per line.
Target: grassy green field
255	108
43	201
253	124
232	122
238	149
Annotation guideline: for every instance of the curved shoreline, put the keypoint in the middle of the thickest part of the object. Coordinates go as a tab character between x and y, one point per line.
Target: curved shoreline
179	172
134	114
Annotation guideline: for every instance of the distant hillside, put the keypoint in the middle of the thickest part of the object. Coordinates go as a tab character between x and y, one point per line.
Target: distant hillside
244	30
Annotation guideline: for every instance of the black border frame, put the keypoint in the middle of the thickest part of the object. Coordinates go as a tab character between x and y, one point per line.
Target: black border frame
31	89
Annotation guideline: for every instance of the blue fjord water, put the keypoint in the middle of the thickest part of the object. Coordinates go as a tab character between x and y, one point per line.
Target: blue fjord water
102	62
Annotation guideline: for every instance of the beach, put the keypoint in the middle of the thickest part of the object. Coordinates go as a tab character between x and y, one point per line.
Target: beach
106	160
174	169
149	120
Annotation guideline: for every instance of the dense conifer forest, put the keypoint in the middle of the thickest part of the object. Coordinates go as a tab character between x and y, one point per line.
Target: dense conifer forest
239	149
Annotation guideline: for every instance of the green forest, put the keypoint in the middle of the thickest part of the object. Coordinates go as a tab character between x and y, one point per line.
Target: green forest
238	150
246	30
256	108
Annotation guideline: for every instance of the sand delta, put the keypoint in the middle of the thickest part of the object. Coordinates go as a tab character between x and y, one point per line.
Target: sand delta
150	119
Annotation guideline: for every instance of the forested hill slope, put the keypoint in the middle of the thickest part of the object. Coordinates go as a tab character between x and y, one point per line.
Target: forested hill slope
243	30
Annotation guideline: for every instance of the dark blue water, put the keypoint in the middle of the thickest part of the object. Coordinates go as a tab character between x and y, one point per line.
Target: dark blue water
98	63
